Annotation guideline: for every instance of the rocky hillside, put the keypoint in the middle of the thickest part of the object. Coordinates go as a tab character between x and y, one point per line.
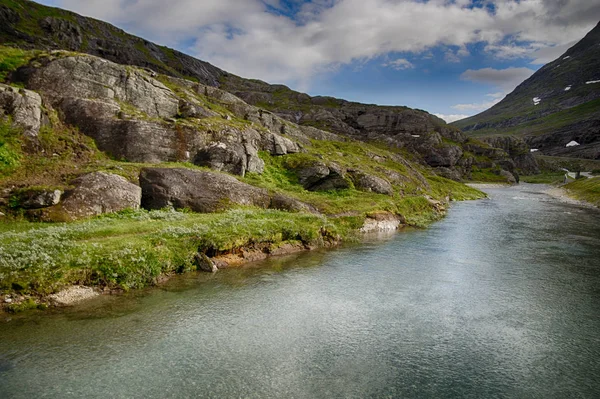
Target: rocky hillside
54	103
560	103
427	138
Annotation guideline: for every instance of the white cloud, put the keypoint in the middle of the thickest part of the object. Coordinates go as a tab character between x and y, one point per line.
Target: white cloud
505	79
399	64
248	38
477	107
549	54
482	106
452	118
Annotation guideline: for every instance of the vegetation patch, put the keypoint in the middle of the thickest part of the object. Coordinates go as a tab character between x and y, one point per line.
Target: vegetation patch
12	59
10	148
131	249
585	190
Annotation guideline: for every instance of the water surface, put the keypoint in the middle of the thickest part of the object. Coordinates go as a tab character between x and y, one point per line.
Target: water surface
500	299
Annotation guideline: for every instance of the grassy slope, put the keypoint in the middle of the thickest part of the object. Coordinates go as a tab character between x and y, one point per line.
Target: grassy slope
544	124
131	249
585	190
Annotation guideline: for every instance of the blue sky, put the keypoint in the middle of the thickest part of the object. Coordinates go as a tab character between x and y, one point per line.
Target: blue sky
453	58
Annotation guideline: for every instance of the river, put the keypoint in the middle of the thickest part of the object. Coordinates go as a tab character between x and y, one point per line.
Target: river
499	299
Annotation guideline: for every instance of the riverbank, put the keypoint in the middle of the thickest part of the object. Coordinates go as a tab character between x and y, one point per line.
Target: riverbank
566	196
585	190
134	249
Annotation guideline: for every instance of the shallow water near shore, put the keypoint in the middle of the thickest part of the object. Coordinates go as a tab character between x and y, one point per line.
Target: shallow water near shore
499	299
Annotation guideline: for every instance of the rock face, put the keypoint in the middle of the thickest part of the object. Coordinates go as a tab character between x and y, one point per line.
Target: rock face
91	93
200	191
97	78
518	151
133	140
95	194
131	115
25	109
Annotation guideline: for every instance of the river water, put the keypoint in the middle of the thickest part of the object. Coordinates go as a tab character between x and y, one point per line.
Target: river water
499	299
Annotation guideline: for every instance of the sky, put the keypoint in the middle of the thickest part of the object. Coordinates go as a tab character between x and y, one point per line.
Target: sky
452	58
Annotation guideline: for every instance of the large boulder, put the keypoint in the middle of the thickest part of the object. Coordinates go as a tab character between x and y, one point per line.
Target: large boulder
95	194
369	183
198	190
279	145
25	109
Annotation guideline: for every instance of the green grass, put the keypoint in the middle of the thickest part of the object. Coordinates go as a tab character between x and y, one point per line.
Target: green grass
543	124
13	58
10	148
131	249
545	178
486	175
586	190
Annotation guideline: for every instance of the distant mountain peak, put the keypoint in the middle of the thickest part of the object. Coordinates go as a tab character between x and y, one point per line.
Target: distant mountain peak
558	104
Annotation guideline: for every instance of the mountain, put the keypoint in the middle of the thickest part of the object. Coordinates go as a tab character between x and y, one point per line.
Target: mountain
426	138
558	104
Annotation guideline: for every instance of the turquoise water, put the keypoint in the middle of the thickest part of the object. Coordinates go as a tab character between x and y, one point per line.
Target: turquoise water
500	299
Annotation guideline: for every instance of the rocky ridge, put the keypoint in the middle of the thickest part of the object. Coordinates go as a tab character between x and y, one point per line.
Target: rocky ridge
436	144
138	116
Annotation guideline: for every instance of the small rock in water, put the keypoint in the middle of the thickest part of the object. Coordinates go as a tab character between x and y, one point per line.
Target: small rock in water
73	295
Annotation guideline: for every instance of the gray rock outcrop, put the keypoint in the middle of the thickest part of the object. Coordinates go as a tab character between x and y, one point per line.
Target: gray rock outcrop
234	151
95	194
365	182
25	109
36	198
285	203
518	150
317	176
200	191
96	78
